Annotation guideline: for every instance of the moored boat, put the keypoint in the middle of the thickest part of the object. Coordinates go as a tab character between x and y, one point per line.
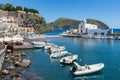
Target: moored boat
87	69
68	59
38	42
58	54
38	46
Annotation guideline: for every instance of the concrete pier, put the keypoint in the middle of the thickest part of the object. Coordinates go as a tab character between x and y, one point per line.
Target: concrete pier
24	47
52	36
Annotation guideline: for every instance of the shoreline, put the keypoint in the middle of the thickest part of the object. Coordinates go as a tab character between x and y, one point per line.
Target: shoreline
13	63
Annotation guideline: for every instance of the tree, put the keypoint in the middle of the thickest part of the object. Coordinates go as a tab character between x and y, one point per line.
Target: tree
8	7
25	9
42	28
14	9
33	10
18	8
1	6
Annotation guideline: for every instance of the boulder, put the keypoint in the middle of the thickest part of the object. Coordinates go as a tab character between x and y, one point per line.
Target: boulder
11	67
23	54
5	72
17	78
17	63
8	51
25	63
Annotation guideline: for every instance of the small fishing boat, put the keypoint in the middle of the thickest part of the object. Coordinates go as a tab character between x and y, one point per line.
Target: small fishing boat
87	69
61	48
38	46
58	54
68	59
38	42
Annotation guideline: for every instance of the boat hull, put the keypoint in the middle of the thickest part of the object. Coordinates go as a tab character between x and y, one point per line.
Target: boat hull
93	68
68	59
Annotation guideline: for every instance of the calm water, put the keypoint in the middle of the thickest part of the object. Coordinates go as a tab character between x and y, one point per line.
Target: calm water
90	51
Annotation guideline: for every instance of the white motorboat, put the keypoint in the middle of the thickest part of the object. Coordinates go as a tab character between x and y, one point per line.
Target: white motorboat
46	47
38	46
38	42
68	59
61	48
87	69
55	49
58	54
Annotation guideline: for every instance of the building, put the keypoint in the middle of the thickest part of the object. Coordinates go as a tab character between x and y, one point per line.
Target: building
8	23
26	29
88	29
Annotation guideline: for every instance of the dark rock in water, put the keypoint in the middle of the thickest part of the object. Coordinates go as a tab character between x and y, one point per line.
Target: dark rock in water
11	67
17	78
17	63
23	54
25	63
17	68
20	60
7	56
8	51
18	55
16	74
30	76
5	72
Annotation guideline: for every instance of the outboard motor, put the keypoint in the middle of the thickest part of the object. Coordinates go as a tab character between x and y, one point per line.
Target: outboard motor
74	68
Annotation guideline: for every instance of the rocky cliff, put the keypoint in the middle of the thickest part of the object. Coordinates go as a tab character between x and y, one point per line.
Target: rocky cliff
23	18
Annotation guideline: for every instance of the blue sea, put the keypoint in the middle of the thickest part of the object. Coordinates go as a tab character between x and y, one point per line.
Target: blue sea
90	51
116	30
56	31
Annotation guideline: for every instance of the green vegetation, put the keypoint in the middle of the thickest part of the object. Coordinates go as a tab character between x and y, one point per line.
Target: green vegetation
100	24
19	8
43	28
10	7
70	23
64	23
26	19
39	23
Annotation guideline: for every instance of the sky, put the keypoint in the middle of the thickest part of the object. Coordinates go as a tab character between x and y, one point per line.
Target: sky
107	11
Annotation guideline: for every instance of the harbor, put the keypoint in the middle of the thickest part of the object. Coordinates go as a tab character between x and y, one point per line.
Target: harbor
59	41
87	30
89	51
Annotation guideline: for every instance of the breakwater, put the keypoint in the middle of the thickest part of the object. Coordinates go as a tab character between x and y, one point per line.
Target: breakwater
16	66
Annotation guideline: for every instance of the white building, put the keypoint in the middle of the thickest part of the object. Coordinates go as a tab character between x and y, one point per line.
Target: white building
90	29
7	19
8	23
84	26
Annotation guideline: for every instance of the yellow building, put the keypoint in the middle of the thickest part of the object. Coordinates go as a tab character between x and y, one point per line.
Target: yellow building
27	29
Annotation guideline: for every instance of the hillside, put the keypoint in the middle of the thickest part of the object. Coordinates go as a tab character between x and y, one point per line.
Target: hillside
71	23
64	23
23	17
100	24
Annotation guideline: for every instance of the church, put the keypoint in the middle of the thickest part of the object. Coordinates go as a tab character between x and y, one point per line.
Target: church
90	30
